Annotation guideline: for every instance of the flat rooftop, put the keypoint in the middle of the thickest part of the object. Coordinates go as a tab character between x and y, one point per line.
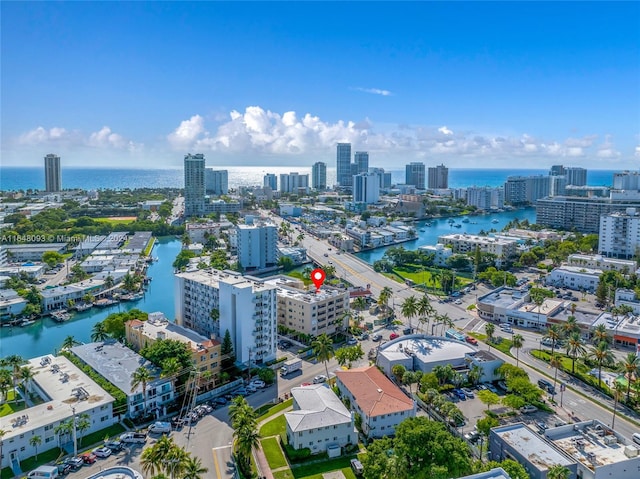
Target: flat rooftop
426	348
504	297
495	473
547	307
118	472
65	386
593	444
579	270
214	277
116	363
542	454
158	325
478	239
585	318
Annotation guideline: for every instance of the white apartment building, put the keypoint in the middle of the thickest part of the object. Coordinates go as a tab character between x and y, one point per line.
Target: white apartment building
319	420
200	232
381	404
629	298
294	182
620	234
575	277
11	303
216	181
366	188
485	197
626	180
465	244
62	388
117	363
439	252
52	177
247	309
257	246
596	261
310	312
194	187
319	176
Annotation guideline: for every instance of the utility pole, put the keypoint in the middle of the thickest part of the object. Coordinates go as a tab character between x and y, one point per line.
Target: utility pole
192	405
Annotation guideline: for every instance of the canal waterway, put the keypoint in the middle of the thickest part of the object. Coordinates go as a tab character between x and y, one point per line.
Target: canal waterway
46	336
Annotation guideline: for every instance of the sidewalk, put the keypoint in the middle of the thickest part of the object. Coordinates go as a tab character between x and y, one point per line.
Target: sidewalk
258	454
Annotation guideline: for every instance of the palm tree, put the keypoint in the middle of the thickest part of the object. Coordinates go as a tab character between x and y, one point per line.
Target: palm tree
5	384
385	296
141	377
631	367
617	395
446	321
35	441
14	362
409	308
82	424
99	332
600	334
323	349
602	355
26	375
109	282
553	334
474	374
170	369
558	471
489	329
151	461
193	469
570	326
69	342
517	343
424	309
575	348
88	298
360	303
555	361
246	438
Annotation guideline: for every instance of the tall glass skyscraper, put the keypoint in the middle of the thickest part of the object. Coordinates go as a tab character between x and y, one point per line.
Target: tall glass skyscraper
52	178
343	164
319	176
194	188
361	159
414	175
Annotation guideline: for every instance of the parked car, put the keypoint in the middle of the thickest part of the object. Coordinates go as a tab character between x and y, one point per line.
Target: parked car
542	426
502	385
457	301
492	388
357	467
471	340
259	383
221	401
352	341
320	378
472	436
459	394
393	336
160	427
528	408
251	388
468	392
74	462
103	451
89	457
115	445
364	336
377	337
63	468
134	437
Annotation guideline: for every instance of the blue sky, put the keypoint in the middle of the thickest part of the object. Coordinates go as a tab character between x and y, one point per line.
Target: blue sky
468	84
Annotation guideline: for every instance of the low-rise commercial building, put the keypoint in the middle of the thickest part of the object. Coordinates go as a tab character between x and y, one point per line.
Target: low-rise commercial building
597	261
381	404
117	364
18	253
521	444
63	390
504	249
319	421
629	298
575	277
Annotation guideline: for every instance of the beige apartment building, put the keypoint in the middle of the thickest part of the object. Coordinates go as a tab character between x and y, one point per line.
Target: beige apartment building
309	311
205	352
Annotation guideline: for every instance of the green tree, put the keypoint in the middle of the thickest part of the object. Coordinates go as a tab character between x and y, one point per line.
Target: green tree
384	297
162	350
52	258
517	343
323	349
558	471
380	462
489	398
601	334
99	332
193	468
141	377
114	323
182	259
553	334
512	401
409	308
489	329
511	467
228	357
575	348
69	342
631	367
35	441
484	426
602	355
398	371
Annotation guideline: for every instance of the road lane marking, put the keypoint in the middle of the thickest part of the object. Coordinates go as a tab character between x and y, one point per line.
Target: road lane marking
215	460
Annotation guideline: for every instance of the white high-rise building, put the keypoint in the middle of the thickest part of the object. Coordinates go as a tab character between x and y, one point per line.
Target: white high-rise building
576	176
294	182
415	175
319	176
620	234
194	188
438	178
270	180
343	164
626	180
485	197
216	181
366	188
52	177
257	246
247	309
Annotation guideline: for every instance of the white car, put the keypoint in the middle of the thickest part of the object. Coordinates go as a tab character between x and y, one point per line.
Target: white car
320	378
258	383
160	427
102	452
529	408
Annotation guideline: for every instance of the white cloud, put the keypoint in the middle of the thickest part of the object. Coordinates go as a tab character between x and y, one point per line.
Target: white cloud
374	91
41	135
58	137
445	131
637	151
187	132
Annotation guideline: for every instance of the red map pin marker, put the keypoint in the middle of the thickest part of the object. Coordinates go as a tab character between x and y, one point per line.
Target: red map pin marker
318	277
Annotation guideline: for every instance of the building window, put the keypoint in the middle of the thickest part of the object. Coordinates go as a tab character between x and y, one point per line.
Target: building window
22	448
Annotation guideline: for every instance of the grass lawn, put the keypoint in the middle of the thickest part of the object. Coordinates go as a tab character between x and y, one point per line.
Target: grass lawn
286	474
147	250
269	410
10	407
315	471
98	436
582	370
274	427
43	458
425	276
115	220
274	454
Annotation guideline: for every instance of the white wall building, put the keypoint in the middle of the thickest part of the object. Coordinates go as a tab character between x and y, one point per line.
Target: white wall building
465	244
62	387
440	253
257	246
216	181
247	309
11	303
575	277
620	234
381	404
319	420
366	188
319	176
200	232
596	261
294	182
485	197
629	298
194	187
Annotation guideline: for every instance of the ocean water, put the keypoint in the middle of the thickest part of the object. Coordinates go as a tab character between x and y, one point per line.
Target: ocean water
15	178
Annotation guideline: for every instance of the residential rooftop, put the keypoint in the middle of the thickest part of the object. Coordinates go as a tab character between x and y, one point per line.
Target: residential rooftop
118	472
584	317
495	473
116	363
159	327
318	407
579	270
547	307
374	392
504	297
538	452
214	277
477	239
64	386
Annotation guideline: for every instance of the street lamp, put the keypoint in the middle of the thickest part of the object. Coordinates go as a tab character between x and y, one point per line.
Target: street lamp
75	437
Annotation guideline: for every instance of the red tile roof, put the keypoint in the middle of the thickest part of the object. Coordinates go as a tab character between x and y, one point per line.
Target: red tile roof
374	392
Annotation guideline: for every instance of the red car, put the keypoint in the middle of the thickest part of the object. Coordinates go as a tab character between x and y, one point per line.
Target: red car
471	340
88	457
393	336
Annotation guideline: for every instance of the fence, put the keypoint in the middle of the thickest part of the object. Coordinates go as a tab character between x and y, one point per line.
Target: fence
219	391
